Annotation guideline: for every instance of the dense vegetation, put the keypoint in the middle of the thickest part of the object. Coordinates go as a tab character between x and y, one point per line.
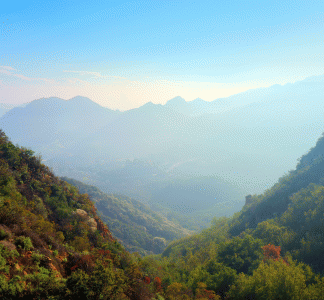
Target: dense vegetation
52	243
134	224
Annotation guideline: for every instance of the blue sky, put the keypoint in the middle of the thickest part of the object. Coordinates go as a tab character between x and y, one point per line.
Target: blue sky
123	54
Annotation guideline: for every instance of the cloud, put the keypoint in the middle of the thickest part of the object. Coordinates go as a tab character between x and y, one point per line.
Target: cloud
7	68
95	74
12	73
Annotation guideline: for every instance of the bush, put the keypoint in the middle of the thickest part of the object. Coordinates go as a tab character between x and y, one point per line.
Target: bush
37	257
24	243
3	234
44	284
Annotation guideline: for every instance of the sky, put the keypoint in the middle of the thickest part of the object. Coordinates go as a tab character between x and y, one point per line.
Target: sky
123	54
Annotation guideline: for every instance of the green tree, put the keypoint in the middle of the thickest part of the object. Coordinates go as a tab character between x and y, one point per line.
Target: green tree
276	280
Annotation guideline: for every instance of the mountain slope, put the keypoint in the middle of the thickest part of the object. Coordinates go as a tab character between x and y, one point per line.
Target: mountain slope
53	245
272	249
5	107
276	200
136	226
52	124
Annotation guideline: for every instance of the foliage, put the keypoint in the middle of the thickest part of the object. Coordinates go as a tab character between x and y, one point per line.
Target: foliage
276	280
104	282
24	243
137	227
53	245
271	252
3	234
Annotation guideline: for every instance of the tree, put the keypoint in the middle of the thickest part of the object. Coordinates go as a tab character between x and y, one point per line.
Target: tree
276	280
271	252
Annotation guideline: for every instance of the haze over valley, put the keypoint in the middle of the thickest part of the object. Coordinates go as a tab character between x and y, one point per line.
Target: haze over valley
196	159
162	150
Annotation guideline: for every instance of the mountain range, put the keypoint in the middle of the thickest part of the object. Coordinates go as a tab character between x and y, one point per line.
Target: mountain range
247	140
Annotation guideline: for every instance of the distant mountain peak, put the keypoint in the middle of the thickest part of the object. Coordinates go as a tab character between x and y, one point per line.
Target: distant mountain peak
148	104
316	78
83	101
149	107
80	98
198	102
176	101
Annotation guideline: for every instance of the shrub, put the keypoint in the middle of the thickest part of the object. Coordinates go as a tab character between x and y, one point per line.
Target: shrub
37	257
24	243
80	244
3	234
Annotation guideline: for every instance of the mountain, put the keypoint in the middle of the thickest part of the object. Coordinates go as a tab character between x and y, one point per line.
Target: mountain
198	107
251	143
53	245
277	200
269	132
134	224
271	249
136	133
5	107
48	125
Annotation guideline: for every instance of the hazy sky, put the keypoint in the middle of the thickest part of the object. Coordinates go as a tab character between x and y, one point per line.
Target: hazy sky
123	54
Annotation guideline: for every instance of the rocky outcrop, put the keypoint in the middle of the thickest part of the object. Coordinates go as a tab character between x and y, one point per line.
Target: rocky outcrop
90	221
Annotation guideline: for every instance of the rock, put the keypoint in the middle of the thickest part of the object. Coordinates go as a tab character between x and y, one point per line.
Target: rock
92	224
81	212
90	221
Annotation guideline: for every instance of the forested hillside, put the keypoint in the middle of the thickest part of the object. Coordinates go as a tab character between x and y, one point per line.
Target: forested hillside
134	224
190	201
53	245
272	249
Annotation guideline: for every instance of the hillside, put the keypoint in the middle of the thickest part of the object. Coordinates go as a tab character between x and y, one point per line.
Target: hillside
53	245
5	107
276	200
134	224
190	201
271	249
